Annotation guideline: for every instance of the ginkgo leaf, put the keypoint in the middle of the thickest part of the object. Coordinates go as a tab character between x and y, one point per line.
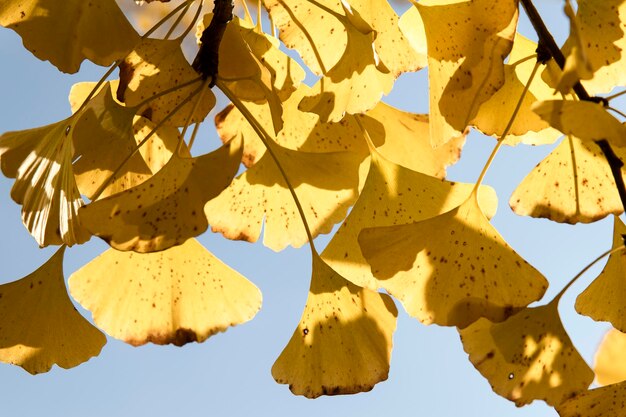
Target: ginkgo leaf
609	363
314	29
390	44
40	326
572	184
179	295
325	183
528	357
494	114
467	43
167	209
600	34
412	26
156	65
394	195
67	32
604	299
343	342
454	268
40	160
583	119
606	401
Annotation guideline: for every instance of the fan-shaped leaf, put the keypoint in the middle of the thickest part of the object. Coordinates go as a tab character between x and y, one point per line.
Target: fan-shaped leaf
610	366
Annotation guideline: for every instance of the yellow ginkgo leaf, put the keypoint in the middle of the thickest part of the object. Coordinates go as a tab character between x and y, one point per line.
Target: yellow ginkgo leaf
394	195
572	184
609	363
179	295
412	25
40	160
454	268
600	402
494	114
604	299
325	183
154	66
343	342
467	43
314	29
40	326
301	130
583	119
528	357
167	209
67	32
600	34
391	45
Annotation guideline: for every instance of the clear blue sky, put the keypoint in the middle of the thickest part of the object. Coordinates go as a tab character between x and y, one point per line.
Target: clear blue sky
229	375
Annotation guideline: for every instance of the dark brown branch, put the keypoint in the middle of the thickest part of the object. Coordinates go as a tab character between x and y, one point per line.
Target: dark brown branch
207	60
547	43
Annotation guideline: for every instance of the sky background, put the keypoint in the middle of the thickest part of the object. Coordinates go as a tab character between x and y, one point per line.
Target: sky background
229	374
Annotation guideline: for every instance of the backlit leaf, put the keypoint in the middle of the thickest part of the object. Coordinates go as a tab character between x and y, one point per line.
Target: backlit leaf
572	184
604	299
528	357
167	209
467	43
607	401
610	366
342	344
457	266
69	31
179	295
40	326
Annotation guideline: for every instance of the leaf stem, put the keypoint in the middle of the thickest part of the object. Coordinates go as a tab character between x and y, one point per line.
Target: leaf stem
203	89
166	18
518	106
177	21
616	95
193	21
168	91
611	251
266	139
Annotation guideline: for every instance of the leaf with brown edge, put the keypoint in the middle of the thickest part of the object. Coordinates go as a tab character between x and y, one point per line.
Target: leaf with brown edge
394	195
494	114
179	295
609	363
40	160
167	209
609	401
584	119
603	300
572	184
156	65
343	342
40	326
302	131
67	32
454	268
326	185
528	357
467	43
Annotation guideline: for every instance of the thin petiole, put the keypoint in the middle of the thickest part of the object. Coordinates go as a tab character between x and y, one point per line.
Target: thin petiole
177	21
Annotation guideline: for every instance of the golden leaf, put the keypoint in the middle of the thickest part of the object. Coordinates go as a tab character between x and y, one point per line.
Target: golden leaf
67	32
600	402
40	326
583	119
454	268
467	43
179	295
342	344
610	366
167	209
528	357
392	195
573	184
604	299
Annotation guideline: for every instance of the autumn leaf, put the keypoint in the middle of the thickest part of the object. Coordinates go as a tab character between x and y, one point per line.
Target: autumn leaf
455	266
342	344
603	300
572	184
599	402
167	209
67	32
180	295
609	364
40	326
467	44
528	357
